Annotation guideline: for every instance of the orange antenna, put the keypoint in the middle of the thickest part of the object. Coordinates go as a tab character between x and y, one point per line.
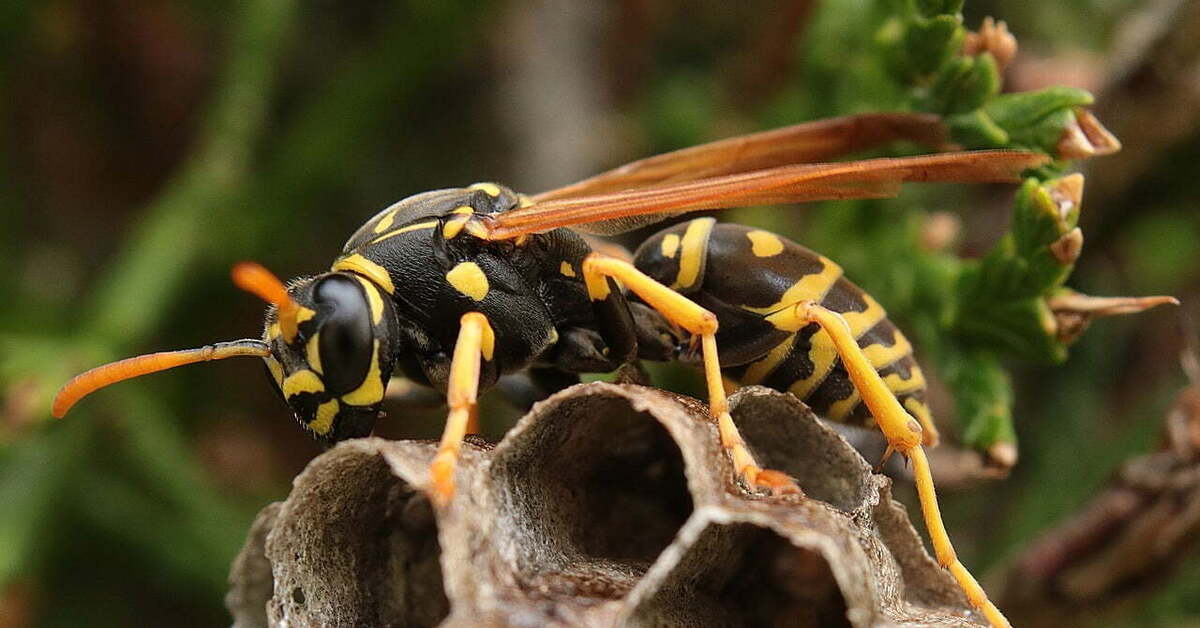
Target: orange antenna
253	277
88	382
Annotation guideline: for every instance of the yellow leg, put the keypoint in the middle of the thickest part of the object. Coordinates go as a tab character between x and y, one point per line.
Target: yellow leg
903	435
475	341
698	321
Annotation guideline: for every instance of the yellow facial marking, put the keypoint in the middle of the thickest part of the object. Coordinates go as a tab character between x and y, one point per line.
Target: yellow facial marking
881	356
324	421
694	245
373	298
810	288
670	245
899	385
822	354
386	222
312	353
299	382
762	368
428	224
566	269
838	410
303	314
469	279
370	392
862	321
358	264
491	189
764	243
276	369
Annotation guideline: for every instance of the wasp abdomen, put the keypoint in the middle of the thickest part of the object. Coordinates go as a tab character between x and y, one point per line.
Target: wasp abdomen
744	275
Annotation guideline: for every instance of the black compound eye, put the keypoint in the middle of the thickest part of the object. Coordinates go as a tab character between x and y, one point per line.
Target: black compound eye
346	340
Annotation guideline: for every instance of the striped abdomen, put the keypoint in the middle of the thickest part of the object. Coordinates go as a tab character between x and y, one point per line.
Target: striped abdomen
742	275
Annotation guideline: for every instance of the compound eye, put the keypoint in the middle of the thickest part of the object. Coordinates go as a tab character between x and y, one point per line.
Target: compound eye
346	340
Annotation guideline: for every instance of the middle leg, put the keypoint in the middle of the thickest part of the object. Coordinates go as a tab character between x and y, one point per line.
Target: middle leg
698	321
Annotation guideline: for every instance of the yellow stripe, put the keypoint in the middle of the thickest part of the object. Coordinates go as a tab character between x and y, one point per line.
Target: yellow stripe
276	369
385	222
838	410
812	287
325	414
299	382
899	385
881	356
373	298
358	264
823	354
861	322
370	391
760	369
429	224
670	245
921	411
312	353
491	189
694	245
566	270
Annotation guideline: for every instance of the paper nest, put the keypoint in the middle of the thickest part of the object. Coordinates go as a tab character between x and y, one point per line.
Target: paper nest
607	505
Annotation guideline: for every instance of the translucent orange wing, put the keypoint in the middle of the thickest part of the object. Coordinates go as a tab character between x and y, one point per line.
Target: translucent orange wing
615	212
809	142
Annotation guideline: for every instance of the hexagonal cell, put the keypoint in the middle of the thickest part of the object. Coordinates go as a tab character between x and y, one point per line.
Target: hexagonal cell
741	574
785	435
355	544
593	487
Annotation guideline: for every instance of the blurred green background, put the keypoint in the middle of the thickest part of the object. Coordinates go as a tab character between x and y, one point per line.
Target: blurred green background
150	144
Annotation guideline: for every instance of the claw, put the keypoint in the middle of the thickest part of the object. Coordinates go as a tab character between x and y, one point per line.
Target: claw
775	483
886	454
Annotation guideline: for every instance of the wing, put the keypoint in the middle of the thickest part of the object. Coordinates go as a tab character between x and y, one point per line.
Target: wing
809	142
614	212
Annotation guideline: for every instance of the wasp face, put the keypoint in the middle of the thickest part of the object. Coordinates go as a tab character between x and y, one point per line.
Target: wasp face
331	353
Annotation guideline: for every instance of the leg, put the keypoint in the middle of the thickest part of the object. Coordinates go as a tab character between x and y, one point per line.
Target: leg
903	435
682	311
475	340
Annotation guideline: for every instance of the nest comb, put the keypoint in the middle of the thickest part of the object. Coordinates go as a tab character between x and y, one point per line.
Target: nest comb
607	505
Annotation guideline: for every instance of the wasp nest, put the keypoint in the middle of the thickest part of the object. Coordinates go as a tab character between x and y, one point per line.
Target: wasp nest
606	505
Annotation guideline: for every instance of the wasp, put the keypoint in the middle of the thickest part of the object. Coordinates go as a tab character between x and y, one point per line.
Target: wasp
456	288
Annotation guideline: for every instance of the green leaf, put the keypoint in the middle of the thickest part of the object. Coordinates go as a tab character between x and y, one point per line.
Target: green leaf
983	399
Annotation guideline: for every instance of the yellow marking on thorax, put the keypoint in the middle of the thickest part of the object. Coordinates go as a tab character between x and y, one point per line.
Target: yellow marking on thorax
469	279
374	299
312	353
358	264
276	369
881	356
812	287
693	247
523	200
455	225
899	385
764	243
861	322
487	345
385	222
841	408
670	245
370	392
566	269
823	354
428	224
299	382
491	189
760	369
273	331
597	285
325	414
